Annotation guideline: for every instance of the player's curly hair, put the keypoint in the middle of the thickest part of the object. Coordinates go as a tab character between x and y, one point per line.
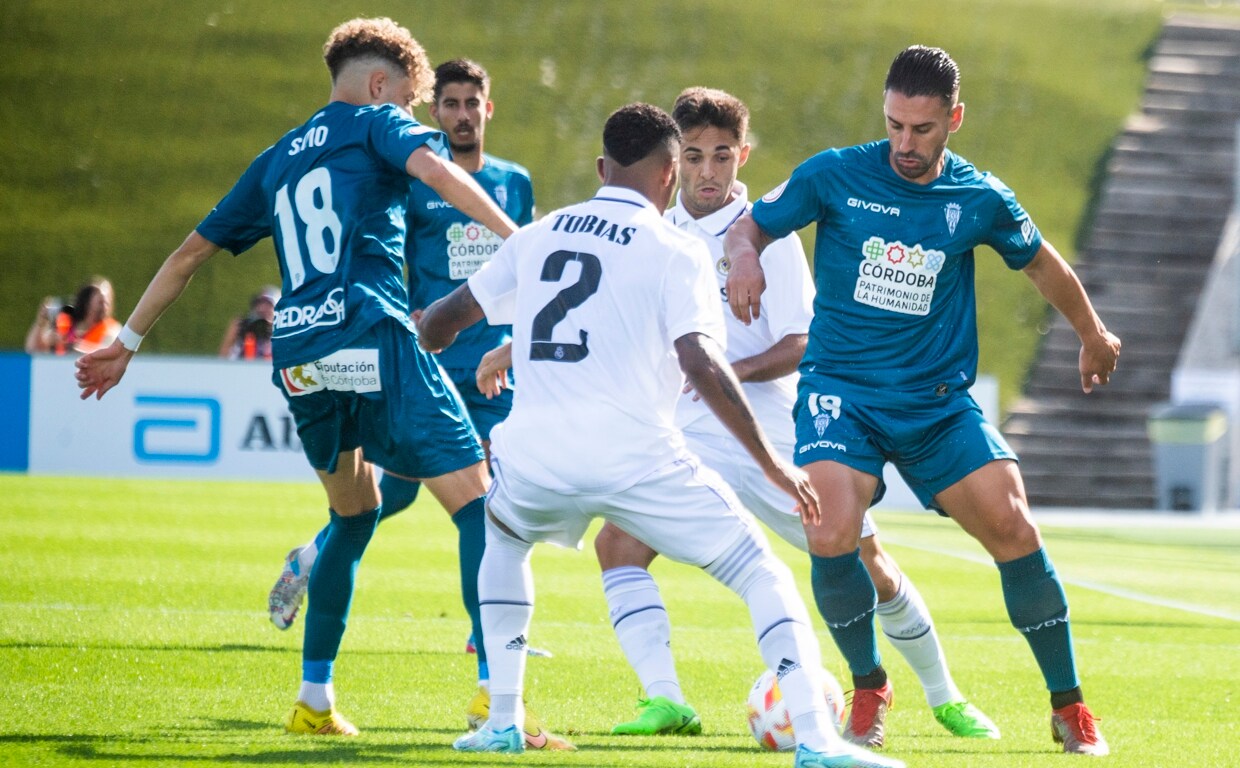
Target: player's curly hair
383	39
461	71
920	70
634	131
699	107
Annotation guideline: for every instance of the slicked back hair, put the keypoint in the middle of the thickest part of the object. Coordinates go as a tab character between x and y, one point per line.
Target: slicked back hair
384	40
923	71
461	71
634	131
699	107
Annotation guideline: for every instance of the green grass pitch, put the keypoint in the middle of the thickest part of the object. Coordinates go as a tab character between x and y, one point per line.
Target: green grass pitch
133	633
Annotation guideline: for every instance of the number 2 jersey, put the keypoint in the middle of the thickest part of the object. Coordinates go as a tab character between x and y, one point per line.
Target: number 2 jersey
445	247
895	309
333	195
597	293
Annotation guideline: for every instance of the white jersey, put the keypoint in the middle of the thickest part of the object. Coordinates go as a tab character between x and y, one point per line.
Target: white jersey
596	294
787	308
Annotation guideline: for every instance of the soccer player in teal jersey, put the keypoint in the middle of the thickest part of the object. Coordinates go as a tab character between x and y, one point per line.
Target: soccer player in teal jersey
332	194
443	247
892	351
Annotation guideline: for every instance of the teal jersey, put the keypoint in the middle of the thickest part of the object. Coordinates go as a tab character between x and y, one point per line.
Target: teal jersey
332	193
895	308
446	247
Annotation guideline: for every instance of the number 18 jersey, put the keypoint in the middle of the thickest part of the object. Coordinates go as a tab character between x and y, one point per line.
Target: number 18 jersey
332	193
596	293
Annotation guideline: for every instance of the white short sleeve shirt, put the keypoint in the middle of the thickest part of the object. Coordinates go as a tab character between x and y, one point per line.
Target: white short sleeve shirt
787	308
597	293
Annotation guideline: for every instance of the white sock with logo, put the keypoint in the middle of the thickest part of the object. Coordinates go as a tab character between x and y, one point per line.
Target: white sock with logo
506	599
906	622
640	620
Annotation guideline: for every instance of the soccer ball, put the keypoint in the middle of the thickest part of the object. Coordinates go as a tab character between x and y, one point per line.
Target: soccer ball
769	721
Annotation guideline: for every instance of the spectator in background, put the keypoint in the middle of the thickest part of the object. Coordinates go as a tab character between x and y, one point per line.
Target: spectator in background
83	326
249	337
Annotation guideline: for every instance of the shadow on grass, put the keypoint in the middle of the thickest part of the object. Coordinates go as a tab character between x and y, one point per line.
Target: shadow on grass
205	745
225	648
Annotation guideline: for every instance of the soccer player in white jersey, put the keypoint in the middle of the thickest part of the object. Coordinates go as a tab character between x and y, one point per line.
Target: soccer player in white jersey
604	286
764	357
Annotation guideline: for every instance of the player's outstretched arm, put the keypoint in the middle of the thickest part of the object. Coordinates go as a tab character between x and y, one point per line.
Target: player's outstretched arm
742	245
1059	285
492	372
446	317
706	368
99	371
454	185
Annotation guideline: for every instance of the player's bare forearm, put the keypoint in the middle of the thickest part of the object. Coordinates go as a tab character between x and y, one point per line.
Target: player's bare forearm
99	371
454	185
446	317
781	359
1059	285
742	245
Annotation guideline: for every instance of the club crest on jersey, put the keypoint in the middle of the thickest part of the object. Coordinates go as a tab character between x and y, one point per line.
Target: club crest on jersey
952	213
501	196
823	408
723	266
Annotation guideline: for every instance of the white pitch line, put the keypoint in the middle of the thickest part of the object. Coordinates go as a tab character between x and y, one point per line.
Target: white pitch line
1106	589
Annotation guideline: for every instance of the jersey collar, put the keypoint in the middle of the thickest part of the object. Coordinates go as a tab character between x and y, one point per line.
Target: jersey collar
625	195
717	223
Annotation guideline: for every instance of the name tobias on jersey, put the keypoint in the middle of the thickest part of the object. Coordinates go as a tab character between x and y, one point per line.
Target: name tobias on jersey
593	225
291	321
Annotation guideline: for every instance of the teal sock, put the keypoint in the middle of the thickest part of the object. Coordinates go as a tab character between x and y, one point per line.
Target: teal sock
331	587
1039	610
397	494
846	599
470	521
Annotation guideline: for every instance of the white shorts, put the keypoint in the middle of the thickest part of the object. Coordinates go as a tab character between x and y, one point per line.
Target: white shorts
758	495
683	510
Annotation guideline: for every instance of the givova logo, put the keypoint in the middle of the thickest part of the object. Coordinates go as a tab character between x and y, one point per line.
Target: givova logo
897	277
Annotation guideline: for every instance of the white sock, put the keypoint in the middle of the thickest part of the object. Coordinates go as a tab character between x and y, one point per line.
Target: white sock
317	696
506	598
643	629
306	557
785	636
907	624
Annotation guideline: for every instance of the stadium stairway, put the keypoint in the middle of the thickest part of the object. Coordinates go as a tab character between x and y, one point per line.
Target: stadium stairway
1157	222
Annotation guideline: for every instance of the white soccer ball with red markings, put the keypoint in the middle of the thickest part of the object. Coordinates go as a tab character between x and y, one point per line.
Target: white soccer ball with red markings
769	721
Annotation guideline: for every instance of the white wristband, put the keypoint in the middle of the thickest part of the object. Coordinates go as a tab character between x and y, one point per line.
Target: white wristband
129	338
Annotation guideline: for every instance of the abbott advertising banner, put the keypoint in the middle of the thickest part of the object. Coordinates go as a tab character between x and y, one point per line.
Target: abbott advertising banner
169	417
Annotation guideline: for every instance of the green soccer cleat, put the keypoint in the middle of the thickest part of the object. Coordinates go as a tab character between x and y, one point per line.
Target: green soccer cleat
965	720
661	715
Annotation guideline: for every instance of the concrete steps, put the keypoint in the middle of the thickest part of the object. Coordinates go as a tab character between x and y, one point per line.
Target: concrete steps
1160	215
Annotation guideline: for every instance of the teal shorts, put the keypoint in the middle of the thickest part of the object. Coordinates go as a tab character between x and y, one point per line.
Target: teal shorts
933	446
385	395
483	412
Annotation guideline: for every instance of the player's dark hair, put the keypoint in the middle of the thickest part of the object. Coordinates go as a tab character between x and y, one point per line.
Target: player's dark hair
699	107
636	130
461	71
923	71
381	39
